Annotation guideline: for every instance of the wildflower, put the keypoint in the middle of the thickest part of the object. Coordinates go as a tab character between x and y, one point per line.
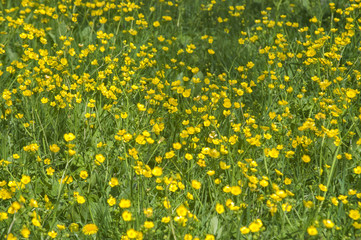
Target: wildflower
157	171
188	237
273	153
308	204
113	182
50	171
354	214
148	212
54	148
165	219
35	222
131	233
25	232
80	199
182	211
328	223
311	230
209	237
323	188
356	225
61	227
111	201
25	179
219	208
83	174
90	229
287	181
351	93
127	216
196	185
256	225
148	224
10	237
99	158
236	190
52	234
69	137
306	158
74	227
244	230
124	203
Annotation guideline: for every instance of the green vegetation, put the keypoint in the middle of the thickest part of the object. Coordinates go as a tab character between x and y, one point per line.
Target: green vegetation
180	119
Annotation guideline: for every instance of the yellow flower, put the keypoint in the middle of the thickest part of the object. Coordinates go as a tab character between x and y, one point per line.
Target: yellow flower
166	204
148	212
50	171
219	208
188	237
306	158
25	179
328	223
10	237
127	216
196	185
357	170
182	211
148	224
312	230
211	51
80	199
61	227
351	93
188	156
323	188
169	155
356	225
354	214
90	229
3	216
256	225
124	203
263	183
131	233
52	234
74	227
157	171
54	148
113	182
69	137
25	232
236	190
244	230
177	146
287	181
111	201
35	222
273	153
286	207
209	237
83	174
99	158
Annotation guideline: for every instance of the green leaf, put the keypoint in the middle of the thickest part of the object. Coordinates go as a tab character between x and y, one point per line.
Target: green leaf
85	34
214	225
11	54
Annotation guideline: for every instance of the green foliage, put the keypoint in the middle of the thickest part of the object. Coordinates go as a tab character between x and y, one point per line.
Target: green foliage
180	119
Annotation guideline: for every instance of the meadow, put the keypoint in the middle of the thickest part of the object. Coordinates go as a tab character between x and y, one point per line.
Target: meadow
180	119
